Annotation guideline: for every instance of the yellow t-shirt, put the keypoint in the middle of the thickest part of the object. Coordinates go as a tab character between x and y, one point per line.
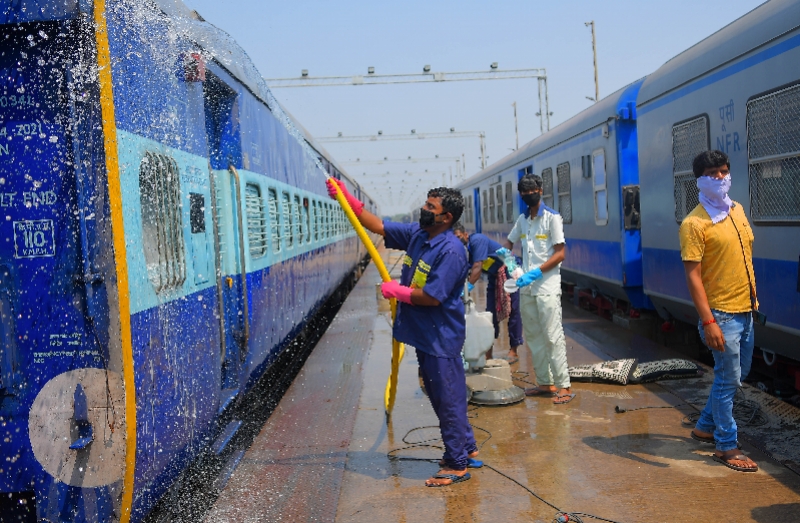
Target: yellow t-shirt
722	263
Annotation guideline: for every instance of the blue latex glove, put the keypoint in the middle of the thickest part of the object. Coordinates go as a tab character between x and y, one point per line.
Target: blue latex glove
470	287
529	277
502	252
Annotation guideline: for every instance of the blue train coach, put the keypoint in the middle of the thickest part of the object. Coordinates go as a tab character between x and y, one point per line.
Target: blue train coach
589	166
164	232
620	175
738	91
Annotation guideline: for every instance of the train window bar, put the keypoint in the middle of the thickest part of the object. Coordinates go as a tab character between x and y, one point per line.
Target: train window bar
162	226
499	195
688	140
547	187
274	219
490	216
287	221
564	192
509	203
299	223
256	222
485	207
773	148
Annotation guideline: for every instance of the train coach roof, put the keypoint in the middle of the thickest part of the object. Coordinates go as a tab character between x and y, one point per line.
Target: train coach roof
591	117
222	48
752	30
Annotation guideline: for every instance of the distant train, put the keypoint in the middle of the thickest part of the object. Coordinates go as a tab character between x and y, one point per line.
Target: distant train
165	233
620	175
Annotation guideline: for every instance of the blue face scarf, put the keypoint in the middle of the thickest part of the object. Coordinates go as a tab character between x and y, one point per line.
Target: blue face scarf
714	196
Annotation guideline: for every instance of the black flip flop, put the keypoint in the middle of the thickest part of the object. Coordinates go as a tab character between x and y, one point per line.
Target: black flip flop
564	398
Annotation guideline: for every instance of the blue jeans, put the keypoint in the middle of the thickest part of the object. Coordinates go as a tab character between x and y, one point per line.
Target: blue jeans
730	368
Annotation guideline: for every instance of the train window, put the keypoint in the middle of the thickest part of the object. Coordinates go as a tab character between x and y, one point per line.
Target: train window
256	224
509	203
162	227
499	195
773	147
299	227
564	193
600	187
274	219
469	209
485	208
688	140
491	205
307	219
288	221
527	170
197	212
547	187
328	232
315	219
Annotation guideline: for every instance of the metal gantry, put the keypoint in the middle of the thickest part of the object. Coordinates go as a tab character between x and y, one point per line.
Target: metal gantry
401	189
457	159
426	76
412	136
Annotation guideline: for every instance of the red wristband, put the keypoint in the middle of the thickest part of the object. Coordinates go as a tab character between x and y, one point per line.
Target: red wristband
709	322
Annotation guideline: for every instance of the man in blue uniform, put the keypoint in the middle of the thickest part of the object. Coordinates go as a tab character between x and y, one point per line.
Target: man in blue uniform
430	315
482	258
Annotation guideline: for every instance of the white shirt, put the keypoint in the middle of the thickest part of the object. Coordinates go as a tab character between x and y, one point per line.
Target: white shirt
538	236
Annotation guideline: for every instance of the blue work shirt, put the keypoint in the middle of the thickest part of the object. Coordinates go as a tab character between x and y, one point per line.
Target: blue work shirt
482	249
439	267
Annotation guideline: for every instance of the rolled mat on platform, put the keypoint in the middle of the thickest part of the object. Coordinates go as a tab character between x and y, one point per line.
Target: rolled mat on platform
630	371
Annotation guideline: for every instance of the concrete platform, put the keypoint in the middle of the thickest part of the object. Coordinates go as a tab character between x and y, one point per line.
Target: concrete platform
324	454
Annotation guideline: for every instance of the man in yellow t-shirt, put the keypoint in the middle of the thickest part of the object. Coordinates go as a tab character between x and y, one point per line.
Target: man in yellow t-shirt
716	249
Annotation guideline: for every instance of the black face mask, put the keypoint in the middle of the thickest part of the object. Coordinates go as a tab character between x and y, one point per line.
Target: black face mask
427	218
531	200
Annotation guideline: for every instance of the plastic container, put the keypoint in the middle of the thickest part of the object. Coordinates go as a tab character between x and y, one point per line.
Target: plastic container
510	286
510	262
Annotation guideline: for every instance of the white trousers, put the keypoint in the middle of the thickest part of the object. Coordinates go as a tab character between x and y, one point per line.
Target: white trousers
541	321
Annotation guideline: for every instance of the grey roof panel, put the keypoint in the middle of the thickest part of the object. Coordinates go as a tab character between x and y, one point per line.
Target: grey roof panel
589	118
749	32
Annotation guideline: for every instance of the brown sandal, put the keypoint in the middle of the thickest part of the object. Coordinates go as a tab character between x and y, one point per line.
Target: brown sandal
739	457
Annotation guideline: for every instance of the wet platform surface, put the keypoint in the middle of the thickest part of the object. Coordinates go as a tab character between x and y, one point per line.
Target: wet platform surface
324	453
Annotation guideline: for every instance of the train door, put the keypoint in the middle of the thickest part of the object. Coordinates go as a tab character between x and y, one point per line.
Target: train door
477	206
224	148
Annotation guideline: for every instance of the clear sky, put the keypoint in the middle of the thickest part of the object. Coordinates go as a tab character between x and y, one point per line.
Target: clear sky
344	37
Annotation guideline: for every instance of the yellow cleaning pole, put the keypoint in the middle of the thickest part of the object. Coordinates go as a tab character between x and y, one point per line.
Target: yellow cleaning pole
398	349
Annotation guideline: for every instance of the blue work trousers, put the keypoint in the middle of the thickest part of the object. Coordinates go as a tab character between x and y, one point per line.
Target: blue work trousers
730	368
446	386
514	319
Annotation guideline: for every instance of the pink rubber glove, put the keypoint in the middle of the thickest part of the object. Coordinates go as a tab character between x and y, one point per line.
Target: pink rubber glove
356	205
392	289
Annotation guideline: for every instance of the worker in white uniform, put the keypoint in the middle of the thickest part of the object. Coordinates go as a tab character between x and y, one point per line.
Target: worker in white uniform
540	230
